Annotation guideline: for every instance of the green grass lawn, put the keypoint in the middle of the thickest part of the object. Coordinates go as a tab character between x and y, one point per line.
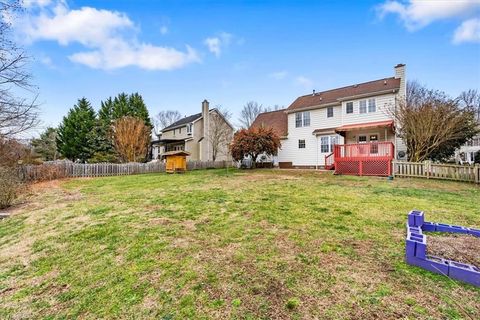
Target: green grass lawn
258	244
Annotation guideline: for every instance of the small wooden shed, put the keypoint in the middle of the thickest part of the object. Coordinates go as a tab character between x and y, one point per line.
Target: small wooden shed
176	161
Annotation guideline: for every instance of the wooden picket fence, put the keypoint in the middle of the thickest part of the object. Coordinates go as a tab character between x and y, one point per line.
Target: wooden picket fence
52	171
430	170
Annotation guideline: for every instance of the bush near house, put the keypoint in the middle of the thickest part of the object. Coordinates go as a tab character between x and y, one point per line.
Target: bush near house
253	142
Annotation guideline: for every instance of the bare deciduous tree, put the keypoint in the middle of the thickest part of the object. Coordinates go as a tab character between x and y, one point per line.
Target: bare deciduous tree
471	99
17	115
221	133
165	118
431	124
249	112
131	137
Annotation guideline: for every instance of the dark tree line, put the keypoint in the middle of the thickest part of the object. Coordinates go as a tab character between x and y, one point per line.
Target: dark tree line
87	136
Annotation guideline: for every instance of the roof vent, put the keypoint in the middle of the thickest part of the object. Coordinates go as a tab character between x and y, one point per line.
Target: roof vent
385	82
313	92
320	98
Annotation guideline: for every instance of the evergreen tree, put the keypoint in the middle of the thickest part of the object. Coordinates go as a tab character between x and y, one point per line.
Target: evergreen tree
46	144
139	109
105	114
75	132
102	138
101	141
124	105
121	107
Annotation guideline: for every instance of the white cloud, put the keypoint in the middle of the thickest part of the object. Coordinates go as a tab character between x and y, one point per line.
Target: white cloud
468	31
304	82
37	3
105	33
416	14
278	75
213	45
120	54
217	43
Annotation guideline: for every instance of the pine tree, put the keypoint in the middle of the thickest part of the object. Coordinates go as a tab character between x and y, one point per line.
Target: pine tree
46	144
139	109
105	114
121	107
75	132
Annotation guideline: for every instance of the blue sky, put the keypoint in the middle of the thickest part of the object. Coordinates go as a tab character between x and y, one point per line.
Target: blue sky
177	53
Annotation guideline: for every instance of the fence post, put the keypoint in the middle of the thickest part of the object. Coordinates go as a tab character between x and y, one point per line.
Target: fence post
427	168
477	173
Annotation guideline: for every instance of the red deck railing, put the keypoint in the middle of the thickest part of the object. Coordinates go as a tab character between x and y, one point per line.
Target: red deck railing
373	158
329	161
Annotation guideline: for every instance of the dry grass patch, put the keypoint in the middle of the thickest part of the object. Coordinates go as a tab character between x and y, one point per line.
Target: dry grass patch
254	244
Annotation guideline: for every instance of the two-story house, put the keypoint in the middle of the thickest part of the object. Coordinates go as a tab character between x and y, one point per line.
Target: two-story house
357	118
205	135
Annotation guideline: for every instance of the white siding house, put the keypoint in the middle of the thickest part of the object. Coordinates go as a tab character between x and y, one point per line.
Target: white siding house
359	113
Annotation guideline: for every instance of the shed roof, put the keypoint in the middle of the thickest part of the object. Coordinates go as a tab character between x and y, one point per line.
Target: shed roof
176	153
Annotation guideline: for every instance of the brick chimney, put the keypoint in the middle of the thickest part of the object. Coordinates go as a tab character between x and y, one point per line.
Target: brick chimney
206	129
400	74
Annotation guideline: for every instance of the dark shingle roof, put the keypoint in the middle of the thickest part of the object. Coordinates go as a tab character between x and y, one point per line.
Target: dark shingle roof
183	121
273	119
335	95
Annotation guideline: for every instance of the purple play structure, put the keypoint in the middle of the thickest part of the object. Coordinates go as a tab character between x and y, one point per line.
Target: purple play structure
416	248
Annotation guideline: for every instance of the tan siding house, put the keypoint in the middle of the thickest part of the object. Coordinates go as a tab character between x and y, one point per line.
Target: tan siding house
194	135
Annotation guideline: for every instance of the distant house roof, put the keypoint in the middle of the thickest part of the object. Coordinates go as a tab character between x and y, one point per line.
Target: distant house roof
183	121
335	96
272	119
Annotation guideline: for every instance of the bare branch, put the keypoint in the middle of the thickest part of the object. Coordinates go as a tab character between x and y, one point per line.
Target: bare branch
249	112
17	115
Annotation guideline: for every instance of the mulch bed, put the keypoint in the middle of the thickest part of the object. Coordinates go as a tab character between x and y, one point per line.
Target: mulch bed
458	247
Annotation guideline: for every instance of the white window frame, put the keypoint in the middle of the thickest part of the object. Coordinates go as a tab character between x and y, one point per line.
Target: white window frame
300	144
305	118
189	128
346	107
372	107
302	120
330	110
330	142
362	135
362	106
298	119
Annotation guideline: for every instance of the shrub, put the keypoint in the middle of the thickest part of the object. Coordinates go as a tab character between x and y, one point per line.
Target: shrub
9	186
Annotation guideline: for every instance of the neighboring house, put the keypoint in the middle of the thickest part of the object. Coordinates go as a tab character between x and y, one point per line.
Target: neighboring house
467	152
359	115
205	135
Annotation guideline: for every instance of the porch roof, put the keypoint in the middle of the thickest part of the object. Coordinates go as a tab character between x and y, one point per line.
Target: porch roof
163	141
377	124
324	131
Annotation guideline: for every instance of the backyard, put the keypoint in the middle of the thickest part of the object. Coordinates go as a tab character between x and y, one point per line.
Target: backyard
217	244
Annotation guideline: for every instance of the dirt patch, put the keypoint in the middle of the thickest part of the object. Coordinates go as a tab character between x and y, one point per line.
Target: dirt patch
458	247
